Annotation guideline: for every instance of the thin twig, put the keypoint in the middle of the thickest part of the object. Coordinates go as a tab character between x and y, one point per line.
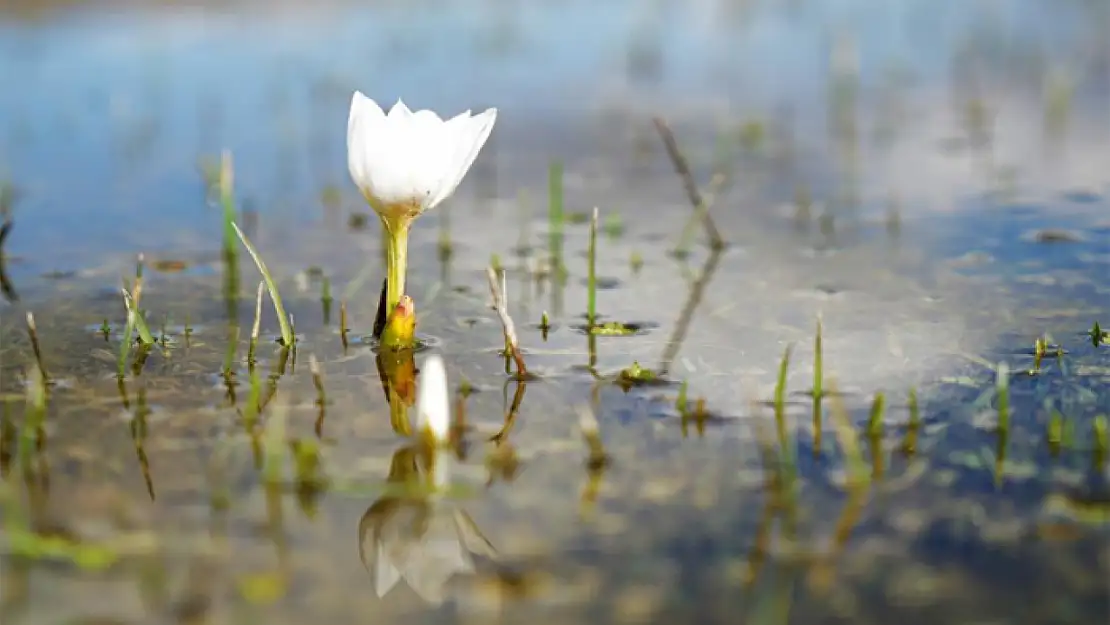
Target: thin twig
682	168
498	292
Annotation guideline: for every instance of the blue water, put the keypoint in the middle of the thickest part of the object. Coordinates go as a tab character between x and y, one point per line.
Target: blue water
104	113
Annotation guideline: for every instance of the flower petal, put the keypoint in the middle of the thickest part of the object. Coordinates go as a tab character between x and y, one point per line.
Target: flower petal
467	137
365	115
399	110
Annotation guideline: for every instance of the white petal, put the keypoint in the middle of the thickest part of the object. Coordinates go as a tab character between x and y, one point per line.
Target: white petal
467	136
433	405
399	110
364	114
398	164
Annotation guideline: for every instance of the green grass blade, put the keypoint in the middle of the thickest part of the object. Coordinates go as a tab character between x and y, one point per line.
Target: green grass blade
287	337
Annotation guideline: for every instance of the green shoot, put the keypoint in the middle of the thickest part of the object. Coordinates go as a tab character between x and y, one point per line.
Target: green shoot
287	337
135	318
780	396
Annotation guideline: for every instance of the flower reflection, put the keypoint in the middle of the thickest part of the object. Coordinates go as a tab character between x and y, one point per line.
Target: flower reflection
414	533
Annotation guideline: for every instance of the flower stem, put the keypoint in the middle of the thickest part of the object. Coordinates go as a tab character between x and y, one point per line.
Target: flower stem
396	260
396	335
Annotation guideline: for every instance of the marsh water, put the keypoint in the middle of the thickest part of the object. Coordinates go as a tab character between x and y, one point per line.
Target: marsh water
929	179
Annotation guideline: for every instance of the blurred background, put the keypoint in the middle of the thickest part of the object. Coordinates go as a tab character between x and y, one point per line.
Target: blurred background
109	106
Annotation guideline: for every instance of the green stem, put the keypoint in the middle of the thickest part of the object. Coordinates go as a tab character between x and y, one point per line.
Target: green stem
396	260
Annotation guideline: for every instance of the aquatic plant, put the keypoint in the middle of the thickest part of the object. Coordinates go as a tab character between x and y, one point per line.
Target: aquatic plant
405	163
287	338
497	290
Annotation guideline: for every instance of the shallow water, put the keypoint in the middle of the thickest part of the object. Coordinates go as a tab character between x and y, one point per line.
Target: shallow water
1002	234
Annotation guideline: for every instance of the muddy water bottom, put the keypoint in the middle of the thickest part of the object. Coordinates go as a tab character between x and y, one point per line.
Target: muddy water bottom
160	484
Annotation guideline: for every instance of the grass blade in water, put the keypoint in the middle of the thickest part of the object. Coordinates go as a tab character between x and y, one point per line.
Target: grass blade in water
136	320
283	319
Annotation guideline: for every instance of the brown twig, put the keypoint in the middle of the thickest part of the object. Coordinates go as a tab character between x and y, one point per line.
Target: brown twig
682	168
498	292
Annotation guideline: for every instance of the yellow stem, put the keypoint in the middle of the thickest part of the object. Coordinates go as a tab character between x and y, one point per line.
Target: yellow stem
396	260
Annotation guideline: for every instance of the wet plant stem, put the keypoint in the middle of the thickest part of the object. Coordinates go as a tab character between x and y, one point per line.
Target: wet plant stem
257	327
497	289
591	301
33	334
287	338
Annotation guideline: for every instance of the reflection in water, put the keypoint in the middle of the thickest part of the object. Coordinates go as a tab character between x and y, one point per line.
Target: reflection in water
420	537
397	372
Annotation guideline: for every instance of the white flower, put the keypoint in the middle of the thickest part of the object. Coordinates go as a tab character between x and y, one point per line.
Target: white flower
407	162
433	401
